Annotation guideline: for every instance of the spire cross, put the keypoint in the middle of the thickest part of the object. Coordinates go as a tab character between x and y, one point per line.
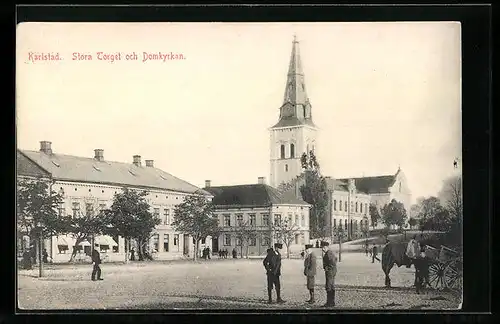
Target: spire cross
295	38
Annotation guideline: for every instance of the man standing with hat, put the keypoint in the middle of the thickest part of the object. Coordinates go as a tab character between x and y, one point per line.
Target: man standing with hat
272	264
330	266
96	261
310	271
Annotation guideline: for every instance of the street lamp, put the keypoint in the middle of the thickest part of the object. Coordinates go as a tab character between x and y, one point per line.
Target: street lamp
340	235
364	226
40	245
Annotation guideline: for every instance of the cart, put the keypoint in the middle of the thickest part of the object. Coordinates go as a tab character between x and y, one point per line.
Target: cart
445	268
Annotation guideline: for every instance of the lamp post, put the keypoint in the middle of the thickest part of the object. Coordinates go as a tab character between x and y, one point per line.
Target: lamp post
40	252
364	226
340	235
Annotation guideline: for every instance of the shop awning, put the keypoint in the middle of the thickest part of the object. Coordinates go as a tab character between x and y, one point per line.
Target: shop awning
61	241
105	240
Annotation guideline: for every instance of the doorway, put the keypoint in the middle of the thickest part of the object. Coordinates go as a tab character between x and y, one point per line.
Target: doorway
215	245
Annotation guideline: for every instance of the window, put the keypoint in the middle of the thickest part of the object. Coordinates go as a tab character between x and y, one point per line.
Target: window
292	155
102	208
282	152
227	220
352	206
227	239
176	241
303	220
334	204
400	186
302	238
334	223
238	241
345	222
345	206
296	220
156	242
366	209
297	238
361	208
340	205
290	219
166	221
356	206
76	209
156	212
277	219
265	241
89	208
203	240
265	220
286	167
239	219
165	243
355	225
252	219
61	209
253	241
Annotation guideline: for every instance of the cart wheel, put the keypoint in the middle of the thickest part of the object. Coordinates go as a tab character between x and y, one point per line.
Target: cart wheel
453	275
436	275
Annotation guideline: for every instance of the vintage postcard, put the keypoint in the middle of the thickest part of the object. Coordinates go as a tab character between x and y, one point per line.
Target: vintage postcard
239	166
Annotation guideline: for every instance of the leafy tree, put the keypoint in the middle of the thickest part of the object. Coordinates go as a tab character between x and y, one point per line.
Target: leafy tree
37	215
412	222
394	213
309	161
129	217
440	221
315	192
245	233
425	210
374	215
284	231
195	217
84	227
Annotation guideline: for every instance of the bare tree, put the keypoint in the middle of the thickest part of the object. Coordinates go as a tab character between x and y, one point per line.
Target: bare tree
284	231
245	233
451	196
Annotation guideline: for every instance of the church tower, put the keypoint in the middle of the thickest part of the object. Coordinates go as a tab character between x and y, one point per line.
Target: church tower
295	132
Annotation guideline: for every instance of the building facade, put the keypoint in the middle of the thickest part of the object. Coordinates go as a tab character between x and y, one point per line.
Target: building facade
295	133
88	186
256	208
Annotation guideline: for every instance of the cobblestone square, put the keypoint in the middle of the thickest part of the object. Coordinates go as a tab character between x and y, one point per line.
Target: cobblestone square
221	284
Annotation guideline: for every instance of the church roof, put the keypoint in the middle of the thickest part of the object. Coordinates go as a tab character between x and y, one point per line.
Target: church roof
252	195
293	121
83	169
369	185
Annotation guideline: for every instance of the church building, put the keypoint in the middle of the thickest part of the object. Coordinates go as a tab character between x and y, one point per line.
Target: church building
295	133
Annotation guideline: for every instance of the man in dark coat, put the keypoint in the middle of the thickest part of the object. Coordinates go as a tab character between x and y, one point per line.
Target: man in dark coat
272	264
330	267
374	254
96	261
310	271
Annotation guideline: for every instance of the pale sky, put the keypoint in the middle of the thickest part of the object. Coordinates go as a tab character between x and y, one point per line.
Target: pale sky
382	94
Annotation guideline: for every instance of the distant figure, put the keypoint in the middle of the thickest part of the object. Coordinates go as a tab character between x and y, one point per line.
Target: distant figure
374	254
272	264
27	264
132	254
317	244
302	254
310	271
421	271
235	253
208	252
330	267
45	256
96	261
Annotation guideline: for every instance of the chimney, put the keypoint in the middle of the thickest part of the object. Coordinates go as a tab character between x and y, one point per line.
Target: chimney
137	160
261	180
150	163
45	147
99	154
208	183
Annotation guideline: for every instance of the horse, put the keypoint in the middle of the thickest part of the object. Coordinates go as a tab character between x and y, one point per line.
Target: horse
394	254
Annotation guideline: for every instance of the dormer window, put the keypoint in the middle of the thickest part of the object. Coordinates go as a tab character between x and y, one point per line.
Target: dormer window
96	168
56	164
132	173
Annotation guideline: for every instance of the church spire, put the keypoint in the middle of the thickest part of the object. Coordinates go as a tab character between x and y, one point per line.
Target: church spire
295	91
296	109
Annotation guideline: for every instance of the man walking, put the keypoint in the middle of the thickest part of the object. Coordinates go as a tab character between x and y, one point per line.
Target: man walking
272	264
310	271
330	267
374	254
96	261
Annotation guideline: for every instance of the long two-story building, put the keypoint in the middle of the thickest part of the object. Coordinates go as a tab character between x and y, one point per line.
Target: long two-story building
88	185
258	206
